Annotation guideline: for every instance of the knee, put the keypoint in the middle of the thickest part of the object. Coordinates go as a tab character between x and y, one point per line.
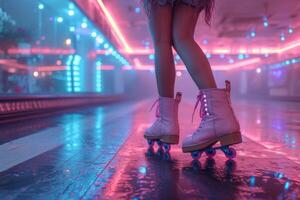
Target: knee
180	37
159	39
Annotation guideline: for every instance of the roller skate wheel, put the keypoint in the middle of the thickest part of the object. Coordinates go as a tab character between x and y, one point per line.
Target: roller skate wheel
196	155
150	143
167	156
167	147
159	143
210	152
160	152
150	151
230	153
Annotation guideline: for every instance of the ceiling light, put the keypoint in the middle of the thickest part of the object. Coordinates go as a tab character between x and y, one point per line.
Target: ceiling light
84	25
60	19
258	70
282	37
71	12
41	6
94	34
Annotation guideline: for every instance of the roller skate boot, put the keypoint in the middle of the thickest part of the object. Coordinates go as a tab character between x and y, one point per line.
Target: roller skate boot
165	130
218	124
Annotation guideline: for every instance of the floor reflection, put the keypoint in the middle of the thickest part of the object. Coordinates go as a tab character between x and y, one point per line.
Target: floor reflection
103	155
257	172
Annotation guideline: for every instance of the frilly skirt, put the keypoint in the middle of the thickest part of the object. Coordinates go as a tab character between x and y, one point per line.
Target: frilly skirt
199	4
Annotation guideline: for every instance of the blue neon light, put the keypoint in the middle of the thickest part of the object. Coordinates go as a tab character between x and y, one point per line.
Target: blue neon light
73	73
98	77
285	63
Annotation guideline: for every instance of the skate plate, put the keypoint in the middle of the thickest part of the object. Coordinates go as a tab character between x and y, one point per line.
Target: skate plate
210	152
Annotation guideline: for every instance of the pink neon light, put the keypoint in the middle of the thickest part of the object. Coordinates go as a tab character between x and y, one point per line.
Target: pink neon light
218	51
42	51
138	51
237	65
139	66
127	68
105	67
49	68
115	26
12	63
290	46
243	50
101	52
263	50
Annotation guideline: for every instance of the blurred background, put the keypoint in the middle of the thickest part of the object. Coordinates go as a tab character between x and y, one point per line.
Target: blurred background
96	58
78	47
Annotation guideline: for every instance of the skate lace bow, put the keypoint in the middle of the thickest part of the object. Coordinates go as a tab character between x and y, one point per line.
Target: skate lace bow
157	108
203	106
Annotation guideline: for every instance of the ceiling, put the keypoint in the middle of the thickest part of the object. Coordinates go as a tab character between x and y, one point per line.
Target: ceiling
230	33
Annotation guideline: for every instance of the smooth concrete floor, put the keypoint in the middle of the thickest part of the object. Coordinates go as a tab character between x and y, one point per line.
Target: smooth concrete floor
100	153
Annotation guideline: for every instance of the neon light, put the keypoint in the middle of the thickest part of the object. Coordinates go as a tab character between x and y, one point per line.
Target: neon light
284	63
139	66
84	25
289	46
71	13
178	73
94	34
68	42
72	29
282	37
258	70
115	27
98	77
127	68
106	45
60	19
12	63
35	74
105	67
237	65
44	51
50	68
138	51
100	40
73	73
41	6
257	50
241	56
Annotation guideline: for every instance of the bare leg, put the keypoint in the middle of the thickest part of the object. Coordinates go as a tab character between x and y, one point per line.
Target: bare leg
160	23
184	23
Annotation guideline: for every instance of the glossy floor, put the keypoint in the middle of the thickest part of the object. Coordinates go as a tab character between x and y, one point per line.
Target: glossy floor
100	153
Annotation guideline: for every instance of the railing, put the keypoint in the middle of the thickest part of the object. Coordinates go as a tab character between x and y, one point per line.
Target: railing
14	107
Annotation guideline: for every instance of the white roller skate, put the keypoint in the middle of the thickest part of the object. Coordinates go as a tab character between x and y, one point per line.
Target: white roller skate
218	124
165	130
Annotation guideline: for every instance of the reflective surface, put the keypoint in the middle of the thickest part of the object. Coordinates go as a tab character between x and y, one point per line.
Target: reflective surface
50	47
100	153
